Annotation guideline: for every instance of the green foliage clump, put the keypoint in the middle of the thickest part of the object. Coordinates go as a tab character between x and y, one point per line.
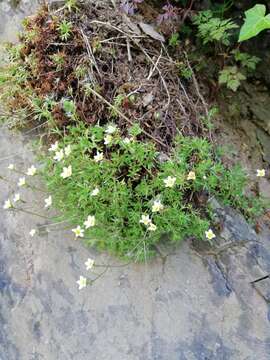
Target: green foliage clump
215	32
64	29
174	40
232	77
71	5
131	178
185	71
213	29
255	22
246	60
136	197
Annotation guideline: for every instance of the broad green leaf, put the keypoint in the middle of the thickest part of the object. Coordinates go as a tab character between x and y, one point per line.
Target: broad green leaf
255	22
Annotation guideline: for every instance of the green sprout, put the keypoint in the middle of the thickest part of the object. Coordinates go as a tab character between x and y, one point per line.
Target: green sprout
64	29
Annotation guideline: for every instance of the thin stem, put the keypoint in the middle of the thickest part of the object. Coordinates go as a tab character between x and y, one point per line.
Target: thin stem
113	266
99	276
32	213
33	187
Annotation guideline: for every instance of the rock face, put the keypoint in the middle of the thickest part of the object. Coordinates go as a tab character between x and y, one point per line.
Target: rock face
198	305
12	12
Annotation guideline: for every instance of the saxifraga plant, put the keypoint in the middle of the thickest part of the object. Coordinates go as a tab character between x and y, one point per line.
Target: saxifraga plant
132	199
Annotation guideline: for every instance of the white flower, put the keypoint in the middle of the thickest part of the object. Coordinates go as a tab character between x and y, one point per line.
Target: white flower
95	192
54	146
7	204
98	157
67	150
59	155
204	177
145	219
90	222
48	202
32	232
82	282
11	166
67	172
152	227
31	171
127	140
108	139
111	129
78	231
157	206
260	173
209	234
17	197
89	264
169	181
191	175
21	181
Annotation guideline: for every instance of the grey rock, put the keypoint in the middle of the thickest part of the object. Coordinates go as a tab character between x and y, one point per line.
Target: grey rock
234	227
191	307
150	31
264	139
261	112
264	188
147	99
263	287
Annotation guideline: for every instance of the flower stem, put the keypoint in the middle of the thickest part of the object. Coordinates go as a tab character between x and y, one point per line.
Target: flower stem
32	213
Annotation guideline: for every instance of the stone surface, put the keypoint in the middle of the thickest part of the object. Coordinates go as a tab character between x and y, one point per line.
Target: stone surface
11	14
263	287
195	306
264	139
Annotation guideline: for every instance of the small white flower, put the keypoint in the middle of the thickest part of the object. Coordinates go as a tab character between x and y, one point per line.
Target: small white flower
145	219
54	147
67	172
169	181
108	139
11	166
7	204
78	231
111	129
48	202
152	227
204	177
17	197
98	157
82	282
32	232
31	171
59	155
90	222
191	175
21	181
127	140
95	192
209	234
67	150
260	173
89	264
157	206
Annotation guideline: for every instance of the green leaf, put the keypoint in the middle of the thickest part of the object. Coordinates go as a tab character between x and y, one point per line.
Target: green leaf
255	22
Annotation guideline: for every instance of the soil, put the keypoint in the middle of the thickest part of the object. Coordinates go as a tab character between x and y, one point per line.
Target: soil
132	75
